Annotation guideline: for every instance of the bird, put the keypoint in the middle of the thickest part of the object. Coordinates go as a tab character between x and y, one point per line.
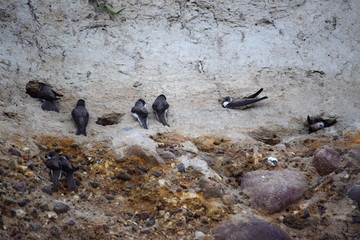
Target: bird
317	123
81	117
229	102
49	96
46	93
140	112
160	107
54	164
68	170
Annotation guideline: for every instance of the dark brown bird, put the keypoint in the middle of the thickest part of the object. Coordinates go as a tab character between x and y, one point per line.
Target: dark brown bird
68	170
54	164
81	117
140	112
160	107
229	102
317	123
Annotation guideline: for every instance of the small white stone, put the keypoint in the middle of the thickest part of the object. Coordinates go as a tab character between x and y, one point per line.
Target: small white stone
52	215
199	235
20	213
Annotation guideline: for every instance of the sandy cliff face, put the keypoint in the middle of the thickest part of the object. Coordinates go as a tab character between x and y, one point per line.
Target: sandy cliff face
305	54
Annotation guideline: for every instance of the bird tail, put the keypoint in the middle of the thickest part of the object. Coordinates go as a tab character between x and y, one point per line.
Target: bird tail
255	94
49	106
162	118
81	131
56	178
71	182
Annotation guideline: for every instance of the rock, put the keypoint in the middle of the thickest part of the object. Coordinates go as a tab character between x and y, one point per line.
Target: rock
199	235
20	213
148	155
150	222
181	168
210	189
47	190
355	219
2	172
167	155
189	147
109	198
71	222
326	160
110	119
101	153
10	202
273	191
19	186
52	215
123	176
156	173
248	227
23	202
95	184
230	200
14	152
354	193
60	207
55	232
295	222
13	164
144	216
199	165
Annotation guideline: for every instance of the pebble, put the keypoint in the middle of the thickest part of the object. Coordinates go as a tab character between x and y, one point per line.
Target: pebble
71	222
10	202
101	153
19	186
110	198
14	152
20	213
199	235
123	176
60	207
150	222
355	219
34	212
326	160
54	231
35	227
181	168
31	166
354	193
52	215
156	173
146	230
23	202
2	172
168	155
144	216
47	190
13	164
94	184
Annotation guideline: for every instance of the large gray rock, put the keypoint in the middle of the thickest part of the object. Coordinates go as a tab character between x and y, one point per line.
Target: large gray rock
354	193
273	191
147	154
326	160
244	227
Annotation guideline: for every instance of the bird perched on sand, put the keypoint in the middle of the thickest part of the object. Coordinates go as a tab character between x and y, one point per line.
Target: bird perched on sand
229	102
54	164
140	112
160	107
68	170
317	123
44	92
81	117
